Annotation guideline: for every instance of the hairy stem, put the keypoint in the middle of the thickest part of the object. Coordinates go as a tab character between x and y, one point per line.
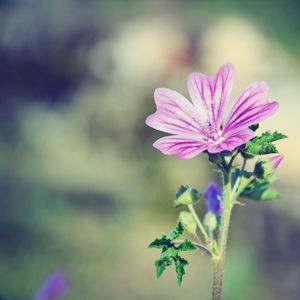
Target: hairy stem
219	259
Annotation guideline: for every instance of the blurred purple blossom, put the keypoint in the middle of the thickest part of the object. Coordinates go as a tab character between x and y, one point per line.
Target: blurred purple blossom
54	286
212	195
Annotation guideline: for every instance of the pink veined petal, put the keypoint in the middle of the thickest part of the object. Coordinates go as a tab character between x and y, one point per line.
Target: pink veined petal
232	140
250	106
181	146
174	115
252	116
210	94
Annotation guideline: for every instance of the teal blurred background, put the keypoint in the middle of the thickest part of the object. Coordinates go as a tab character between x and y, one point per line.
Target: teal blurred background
81	187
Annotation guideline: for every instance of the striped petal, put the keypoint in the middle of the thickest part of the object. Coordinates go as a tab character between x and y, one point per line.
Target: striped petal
250	107
174	115
232	140
210	94
181	146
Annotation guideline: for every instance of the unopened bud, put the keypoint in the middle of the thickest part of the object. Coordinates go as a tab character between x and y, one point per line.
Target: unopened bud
264	169
186	196
210	221
276	160
188	222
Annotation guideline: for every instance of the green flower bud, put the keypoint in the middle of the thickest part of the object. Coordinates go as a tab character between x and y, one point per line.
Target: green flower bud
264	169
186	195
210	221
188	222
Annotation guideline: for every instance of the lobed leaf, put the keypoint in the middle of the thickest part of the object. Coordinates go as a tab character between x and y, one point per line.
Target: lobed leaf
261	145
159	242
186	245
180	264
177	231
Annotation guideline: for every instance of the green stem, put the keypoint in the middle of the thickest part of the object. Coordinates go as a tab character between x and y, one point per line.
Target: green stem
237	185
232	159
200	226
222	241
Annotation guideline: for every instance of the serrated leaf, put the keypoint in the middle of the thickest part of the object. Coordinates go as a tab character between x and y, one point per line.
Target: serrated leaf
159	242
180	264
165	239
186	245
170	252
176	232
261	145
161	265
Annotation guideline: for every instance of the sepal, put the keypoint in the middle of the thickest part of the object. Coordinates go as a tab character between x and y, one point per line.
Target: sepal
259	189
186	196
264	169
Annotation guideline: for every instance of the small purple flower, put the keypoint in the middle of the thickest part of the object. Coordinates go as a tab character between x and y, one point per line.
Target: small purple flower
208	122
55	286
213	195
276	160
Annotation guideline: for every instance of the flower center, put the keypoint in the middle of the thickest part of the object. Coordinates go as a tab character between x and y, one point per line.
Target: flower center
215	133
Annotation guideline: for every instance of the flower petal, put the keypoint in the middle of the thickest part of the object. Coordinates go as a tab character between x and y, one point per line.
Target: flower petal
56	285
210	94
276	160
232	140
250	107
175	114
182	146
212	194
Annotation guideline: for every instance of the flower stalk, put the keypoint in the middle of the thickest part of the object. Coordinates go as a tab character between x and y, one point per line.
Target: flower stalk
199	223
219	260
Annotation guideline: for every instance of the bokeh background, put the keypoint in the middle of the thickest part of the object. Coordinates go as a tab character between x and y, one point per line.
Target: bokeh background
81	187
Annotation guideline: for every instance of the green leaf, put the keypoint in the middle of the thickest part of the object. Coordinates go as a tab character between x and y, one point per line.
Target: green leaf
165	239
161	265
261	145
170	252
180	264
177	231
159	242
186	245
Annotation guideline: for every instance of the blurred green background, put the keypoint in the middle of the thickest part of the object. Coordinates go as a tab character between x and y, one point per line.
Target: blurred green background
81	187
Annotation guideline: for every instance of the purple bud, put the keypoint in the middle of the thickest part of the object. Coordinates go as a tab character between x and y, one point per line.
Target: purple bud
55	286
276	160
212	195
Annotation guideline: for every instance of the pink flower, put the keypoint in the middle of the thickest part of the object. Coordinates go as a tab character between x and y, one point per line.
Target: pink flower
276	160
207	122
